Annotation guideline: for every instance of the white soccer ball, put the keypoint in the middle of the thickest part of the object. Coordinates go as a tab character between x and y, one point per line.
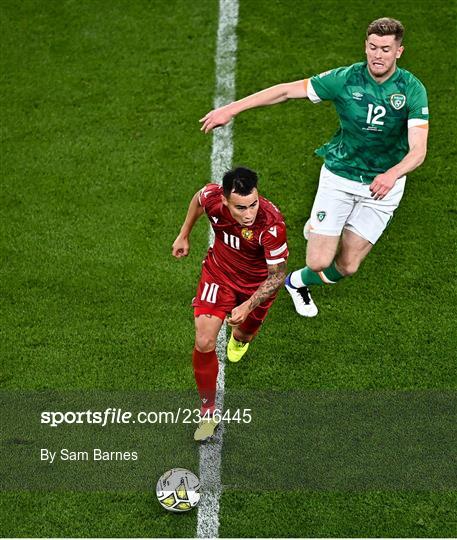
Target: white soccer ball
178	490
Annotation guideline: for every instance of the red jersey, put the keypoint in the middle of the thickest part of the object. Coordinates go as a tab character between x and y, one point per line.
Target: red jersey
240	254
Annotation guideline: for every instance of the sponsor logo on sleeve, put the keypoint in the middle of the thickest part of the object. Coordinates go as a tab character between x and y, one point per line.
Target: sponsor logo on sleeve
321	215
424	110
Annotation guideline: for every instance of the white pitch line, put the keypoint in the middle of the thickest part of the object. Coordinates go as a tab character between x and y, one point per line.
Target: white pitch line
221	161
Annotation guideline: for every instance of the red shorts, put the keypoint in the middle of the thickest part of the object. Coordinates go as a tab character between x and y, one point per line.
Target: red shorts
216	297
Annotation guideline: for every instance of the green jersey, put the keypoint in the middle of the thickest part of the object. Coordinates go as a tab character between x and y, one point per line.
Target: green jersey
374	119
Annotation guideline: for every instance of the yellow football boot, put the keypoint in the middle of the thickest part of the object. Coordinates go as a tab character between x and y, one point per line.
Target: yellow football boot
236	349
206	429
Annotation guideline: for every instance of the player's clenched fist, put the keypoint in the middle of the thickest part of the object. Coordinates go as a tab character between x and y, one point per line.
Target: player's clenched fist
239	314
180	247
215	118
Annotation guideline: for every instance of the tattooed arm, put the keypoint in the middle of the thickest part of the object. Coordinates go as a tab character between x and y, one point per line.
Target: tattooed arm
274	281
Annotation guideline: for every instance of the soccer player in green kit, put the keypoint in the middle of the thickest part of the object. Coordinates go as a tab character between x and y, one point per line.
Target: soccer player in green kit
383	131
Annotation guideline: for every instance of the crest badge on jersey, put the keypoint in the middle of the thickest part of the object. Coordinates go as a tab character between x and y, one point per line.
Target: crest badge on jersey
397	101
321	215
247	234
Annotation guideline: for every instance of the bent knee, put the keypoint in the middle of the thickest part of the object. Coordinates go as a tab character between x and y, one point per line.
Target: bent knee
205	343
316	263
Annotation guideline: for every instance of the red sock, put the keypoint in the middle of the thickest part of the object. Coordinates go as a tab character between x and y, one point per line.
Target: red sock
206	367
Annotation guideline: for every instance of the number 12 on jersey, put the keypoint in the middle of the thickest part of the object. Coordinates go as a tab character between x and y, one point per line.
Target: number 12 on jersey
379	111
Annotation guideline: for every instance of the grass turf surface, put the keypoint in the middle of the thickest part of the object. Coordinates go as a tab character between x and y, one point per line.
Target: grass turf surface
100	156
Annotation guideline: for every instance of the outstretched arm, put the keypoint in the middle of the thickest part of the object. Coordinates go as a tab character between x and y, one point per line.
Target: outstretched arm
181	245
274	281
417	140
269	96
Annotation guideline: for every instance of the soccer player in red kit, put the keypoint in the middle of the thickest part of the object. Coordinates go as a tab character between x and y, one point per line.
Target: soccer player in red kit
241	274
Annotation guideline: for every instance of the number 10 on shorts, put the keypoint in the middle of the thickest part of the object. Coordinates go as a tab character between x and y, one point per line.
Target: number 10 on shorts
210	292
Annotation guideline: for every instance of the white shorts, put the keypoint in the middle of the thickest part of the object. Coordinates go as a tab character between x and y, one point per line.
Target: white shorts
342	203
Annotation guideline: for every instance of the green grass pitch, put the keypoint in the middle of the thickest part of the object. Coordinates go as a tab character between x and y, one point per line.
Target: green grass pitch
101	153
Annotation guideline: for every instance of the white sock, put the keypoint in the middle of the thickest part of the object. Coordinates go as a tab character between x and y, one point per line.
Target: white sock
296	280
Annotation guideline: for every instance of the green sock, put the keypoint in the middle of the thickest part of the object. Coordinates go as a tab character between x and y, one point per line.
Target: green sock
328	276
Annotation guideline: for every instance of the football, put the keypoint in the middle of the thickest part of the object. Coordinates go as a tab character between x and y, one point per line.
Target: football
178	490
